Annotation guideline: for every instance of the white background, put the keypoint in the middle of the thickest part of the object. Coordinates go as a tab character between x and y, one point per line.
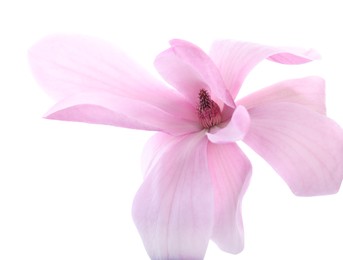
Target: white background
66	188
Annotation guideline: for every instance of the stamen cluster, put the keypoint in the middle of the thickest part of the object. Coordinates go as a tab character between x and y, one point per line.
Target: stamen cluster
208	111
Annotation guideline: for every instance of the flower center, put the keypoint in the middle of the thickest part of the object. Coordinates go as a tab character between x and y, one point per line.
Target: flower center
208	111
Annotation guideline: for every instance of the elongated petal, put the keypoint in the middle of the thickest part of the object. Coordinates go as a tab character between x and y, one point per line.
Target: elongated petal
309	91
66	65
104	108
235	130
188	69
173	209
236	59
230	170
303	146
152	149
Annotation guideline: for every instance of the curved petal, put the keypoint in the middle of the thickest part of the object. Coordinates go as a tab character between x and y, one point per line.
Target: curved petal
303	146
173	209
236	59
235	130
70	64
309	91
187	68
104	108
152	148
231	171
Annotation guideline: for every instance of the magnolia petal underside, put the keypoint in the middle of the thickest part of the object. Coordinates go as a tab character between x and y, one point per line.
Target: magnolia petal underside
230	170
236	59
304	147
173	209
68	65
308	91
104	108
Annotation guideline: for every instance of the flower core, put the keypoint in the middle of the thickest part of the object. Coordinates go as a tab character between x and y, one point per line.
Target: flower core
208	111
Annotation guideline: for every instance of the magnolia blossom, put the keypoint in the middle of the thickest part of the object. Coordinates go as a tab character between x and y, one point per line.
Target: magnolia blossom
195	175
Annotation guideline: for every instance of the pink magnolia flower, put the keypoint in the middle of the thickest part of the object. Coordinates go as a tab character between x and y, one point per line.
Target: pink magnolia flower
195	175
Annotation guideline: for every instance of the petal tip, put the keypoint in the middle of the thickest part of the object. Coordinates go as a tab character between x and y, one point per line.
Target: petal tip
235	130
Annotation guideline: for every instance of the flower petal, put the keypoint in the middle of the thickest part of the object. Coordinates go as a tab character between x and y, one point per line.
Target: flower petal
70	64
303	146
231	171
187	68
152	148
104	108
173	209
236	59
234	131
309	91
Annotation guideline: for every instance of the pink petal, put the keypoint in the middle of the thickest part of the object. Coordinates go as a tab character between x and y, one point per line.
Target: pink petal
104	108
188	69
173	209
303	146
70	64
231	171
236	59
152	148
309	91
235	130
